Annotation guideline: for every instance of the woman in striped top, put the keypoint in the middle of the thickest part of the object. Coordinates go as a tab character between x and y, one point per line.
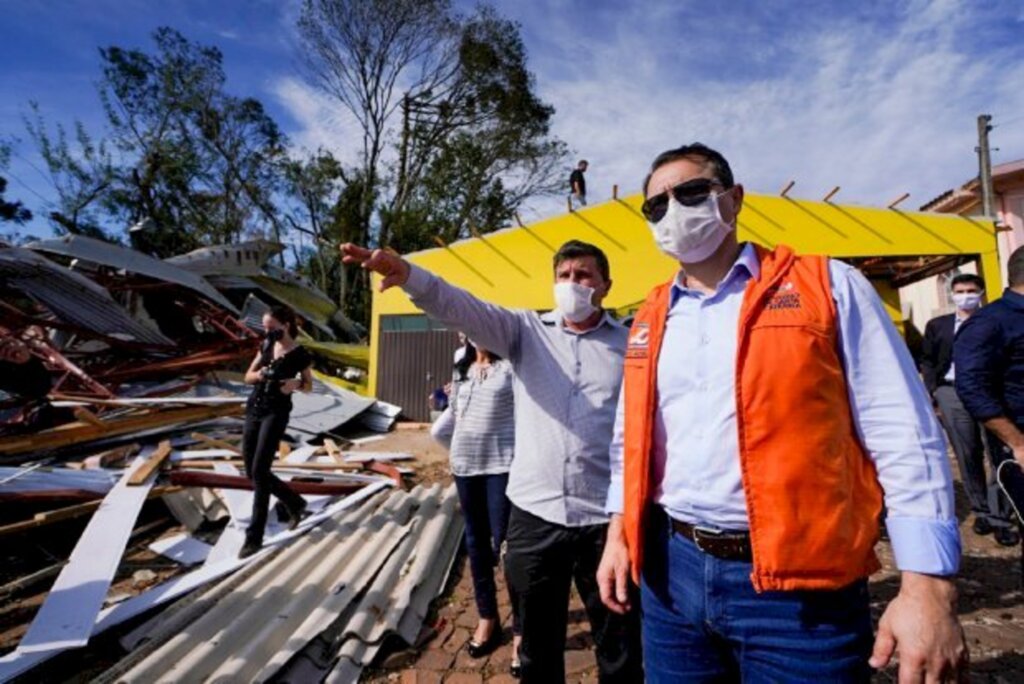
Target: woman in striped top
480	454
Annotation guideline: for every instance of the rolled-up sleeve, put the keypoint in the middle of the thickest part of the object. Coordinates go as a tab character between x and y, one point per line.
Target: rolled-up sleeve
896	423
976	357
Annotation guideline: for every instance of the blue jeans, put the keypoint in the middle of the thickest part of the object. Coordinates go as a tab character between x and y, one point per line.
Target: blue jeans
485	509
703	622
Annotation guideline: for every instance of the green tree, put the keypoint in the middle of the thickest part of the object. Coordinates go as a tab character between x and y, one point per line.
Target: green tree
454	138
81	171
204	163
10	212
313	185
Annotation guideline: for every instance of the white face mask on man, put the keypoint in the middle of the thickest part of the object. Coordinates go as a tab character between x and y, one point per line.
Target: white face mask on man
574	301
691	234
967	301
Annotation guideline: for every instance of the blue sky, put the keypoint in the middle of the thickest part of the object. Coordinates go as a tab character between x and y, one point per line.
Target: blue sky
879	97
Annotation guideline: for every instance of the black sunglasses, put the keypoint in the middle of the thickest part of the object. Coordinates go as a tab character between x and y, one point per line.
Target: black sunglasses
688	193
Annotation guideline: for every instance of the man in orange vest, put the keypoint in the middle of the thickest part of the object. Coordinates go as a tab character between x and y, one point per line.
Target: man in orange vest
768	409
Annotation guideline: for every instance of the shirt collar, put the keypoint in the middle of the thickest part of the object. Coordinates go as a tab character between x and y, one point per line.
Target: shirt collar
747	265
554	318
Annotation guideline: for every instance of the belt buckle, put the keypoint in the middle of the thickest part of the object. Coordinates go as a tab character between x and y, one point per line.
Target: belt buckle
699	530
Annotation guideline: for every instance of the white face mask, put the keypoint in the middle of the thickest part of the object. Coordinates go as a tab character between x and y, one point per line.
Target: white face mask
691	234
574	301
967	301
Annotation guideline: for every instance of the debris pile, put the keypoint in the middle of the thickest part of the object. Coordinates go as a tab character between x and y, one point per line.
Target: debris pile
123	489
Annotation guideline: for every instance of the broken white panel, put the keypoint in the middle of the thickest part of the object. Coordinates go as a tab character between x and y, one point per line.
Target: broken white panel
66	617
380	417
366	439
17	663
182	548
203	454
239	505
364	456
194	506
41	479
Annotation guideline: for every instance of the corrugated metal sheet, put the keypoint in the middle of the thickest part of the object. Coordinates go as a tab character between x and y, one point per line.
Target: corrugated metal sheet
376	568
73	298
245	258
411	365
115	256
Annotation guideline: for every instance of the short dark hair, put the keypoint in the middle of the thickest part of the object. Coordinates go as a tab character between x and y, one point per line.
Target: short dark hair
694	151
285	316
1015	267
967	278
582	162
576	249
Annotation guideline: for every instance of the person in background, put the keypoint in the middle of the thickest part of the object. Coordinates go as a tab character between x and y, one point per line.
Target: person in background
988	354
965	433
568	370
481	445
460	351
578	186
769	406
280	368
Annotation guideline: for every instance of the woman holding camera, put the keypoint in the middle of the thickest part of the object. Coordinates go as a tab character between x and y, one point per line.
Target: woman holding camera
280	368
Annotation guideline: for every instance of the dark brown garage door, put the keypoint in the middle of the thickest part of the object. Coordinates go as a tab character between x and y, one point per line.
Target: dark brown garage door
414	357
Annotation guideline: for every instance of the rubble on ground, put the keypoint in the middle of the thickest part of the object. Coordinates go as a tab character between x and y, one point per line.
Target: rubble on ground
123	495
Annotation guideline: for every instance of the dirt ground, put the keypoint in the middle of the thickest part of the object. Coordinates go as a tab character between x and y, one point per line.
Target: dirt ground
991	606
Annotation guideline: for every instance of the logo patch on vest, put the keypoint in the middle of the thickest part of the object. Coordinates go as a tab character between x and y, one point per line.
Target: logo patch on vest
784	296
639	341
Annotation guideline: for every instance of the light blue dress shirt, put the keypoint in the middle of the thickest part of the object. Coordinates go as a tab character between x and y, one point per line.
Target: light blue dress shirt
695	453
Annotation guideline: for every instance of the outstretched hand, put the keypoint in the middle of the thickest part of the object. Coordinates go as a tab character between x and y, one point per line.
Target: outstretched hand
393	268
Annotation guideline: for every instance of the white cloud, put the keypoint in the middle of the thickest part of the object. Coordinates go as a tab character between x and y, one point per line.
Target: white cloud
322	121
878	109
878	104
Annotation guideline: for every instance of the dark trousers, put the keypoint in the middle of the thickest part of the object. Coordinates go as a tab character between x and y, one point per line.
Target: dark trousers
260	439
541	562
485	509
965	435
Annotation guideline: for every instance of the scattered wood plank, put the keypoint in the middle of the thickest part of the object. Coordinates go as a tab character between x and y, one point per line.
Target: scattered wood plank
86	416
412	426
150	465
80	432
215	443
333	450
196	478
46	517
276	466
112	456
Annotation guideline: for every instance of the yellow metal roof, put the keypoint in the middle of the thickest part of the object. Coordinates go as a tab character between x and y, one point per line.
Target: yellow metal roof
512	267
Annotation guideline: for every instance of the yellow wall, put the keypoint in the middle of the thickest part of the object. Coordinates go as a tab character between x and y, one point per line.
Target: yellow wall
512	267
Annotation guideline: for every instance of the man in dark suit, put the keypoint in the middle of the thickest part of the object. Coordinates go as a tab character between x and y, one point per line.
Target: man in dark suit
989	356
965	434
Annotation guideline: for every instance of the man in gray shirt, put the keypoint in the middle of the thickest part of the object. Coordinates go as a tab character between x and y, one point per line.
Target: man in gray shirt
568	369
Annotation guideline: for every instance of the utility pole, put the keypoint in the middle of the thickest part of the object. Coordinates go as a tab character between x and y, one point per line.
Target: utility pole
985	165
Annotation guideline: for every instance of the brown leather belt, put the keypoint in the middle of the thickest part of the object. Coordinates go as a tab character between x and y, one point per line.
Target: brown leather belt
724	545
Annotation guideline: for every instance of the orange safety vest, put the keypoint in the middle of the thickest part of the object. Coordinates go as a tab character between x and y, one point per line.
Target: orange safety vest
813	497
